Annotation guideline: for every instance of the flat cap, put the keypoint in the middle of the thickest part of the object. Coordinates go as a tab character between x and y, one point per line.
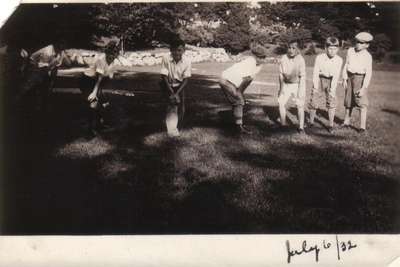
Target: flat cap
364	37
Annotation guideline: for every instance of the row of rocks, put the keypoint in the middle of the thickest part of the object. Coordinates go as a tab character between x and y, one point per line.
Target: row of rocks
129	59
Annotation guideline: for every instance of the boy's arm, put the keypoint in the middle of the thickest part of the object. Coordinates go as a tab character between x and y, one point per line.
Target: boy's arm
316	73
280	78
186	75
65	59
93	94
182	86
302	83
344	73
280	83
165	80
245	83
367	77
336	75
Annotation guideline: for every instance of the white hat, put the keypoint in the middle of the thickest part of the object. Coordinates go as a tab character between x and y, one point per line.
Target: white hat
364	37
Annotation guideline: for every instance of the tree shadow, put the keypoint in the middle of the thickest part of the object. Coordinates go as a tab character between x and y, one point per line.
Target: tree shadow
391	111
129	186
327	191
133	184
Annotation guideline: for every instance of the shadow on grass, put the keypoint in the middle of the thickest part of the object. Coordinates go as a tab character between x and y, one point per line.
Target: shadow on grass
131	180
327	191
391	111
56	184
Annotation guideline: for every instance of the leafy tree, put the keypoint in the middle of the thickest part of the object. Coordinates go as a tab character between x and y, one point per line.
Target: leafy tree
234	33
140	24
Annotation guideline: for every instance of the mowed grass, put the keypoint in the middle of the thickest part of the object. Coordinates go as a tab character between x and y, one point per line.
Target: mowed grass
134	179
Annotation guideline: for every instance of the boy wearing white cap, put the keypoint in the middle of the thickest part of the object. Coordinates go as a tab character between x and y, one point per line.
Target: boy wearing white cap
292	83
326	74
357	74
236	79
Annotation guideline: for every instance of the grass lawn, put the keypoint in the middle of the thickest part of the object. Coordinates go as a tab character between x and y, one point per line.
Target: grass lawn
133	179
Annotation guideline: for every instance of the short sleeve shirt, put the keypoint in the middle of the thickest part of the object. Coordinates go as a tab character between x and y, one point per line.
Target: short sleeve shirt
101	67
176	71
292	68
244	68
328	67
44	56
358	62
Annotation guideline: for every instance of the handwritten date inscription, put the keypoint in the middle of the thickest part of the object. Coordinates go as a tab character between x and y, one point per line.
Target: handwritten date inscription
306	248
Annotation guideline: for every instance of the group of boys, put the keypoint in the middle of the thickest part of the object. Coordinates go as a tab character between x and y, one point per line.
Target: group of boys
356	76
176	71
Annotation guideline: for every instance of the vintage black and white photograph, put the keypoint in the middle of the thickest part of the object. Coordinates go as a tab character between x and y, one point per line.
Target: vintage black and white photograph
200	118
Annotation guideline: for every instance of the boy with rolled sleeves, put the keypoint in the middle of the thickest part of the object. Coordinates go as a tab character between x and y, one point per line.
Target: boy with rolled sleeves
326	74
175	73
357	74
90	84
235	80
292	83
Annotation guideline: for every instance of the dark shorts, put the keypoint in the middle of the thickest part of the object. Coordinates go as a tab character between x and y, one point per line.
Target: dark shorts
354	84
232	93
323	95
165	92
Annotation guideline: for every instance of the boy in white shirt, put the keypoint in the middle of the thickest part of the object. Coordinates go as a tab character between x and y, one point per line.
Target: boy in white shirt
236	79
292	83
175	73
357	73
326	74
90	85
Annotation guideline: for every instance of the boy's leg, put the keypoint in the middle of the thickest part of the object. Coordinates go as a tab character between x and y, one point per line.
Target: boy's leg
238	114
363	118
171	120
300	113
171	117
330	100
313	105
300	99
331	115
235	98
348	101
282	114
282	100
347	116
181	108
86	85
361	101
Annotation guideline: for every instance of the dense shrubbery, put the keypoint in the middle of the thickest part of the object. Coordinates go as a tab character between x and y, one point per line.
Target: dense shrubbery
144	25
233	38
266	35
324	31
301	35
197	35
380	46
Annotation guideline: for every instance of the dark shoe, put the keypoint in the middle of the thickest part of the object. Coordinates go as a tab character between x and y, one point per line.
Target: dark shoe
345	126
301	131
242	129
361	131
330	130
311	125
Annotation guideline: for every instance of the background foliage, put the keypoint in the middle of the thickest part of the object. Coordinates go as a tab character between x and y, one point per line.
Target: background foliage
229	25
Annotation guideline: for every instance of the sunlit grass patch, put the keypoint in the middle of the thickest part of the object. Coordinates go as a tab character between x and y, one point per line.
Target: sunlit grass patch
82	148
